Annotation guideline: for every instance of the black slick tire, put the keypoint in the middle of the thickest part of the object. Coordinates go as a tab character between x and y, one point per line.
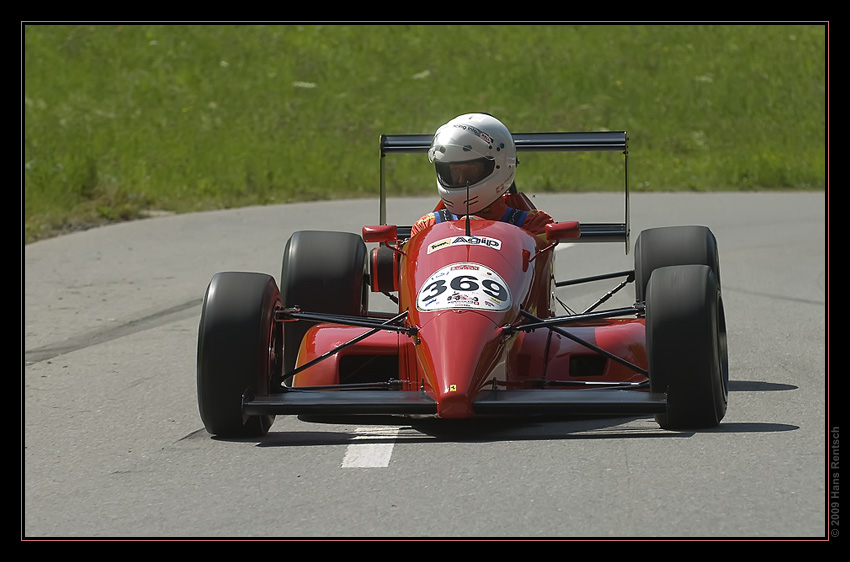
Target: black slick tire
673	245
238	351
322	271
686	346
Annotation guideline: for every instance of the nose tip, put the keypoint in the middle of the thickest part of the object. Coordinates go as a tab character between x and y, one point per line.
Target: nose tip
455	403
469	348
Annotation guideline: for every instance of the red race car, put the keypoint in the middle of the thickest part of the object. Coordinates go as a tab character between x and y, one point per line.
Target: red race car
475	332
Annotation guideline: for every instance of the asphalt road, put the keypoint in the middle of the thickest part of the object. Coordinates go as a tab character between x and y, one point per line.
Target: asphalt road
112	444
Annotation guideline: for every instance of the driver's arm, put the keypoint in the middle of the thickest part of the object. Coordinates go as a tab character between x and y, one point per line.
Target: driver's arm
536	221
423	223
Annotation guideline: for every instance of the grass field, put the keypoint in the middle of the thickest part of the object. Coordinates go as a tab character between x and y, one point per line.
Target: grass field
120	120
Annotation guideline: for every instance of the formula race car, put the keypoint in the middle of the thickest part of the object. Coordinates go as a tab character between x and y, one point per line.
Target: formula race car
475	332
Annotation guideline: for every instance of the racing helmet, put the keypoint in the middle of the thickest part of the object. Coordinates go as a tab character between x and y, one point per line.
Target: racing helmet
475	159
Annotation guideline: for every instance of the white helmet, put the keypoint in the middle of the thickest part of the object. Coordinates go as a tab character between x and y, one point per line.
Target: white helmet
473	153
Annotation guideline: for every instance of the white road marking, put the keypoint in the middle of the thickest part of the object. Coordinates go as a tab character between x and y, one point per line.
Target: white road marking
371	455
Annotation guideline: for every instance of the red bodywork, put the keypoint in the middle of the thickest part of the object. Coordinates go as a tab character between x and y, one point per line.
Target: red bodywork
475	332
463	293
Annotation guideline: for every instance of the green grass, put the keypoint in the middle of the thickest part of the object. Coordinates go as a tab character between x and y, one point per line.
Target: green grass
123	119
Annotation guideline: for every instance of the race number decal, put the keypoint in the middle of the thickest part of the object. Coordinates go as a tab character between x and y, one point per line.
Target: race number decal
464	285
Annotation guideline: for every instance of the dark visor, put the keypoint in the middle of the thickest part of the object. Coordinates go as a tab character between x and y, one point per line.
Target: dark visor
461	174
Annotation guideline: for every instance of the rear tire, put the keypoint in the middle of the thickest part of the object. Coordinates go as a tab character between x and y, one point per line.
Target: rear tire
673	245
322	272
686	346
239	347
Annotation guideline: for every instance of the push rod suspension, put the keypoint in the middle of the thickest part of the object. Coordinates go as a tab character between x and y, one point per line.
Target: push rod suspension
629	274
610	294
574	319
296	313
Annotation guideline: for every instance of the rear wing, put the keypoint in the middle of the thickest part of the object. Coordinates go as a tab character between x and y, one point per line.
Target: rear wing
537	142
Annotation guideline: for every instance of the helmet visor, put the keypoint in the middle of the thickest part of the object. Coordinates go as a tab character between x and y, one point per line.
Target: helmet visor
461	174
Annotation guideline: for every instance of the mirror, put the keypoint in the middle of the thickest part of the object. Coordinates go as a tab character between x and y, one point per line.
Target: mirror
567	230
380	233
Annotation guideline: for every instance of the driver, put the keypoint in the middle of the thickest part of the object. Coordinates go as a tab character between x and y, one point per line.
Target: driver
475	160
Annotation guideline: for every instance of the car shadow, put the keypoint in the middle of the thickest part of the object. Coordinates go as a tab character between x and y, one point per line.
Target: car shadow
759	386
495	431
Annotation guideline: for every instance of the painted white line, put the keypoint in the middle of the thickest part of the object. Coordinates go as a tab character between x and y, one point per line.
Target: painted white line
371	455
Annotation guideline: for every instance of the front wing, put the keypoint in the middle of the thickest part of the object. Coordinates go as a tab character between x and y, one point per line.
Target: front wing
488	403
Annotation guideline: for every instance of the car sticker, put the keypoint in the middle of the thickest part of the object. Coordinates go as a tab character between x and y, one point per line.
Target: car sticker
465	241
464	285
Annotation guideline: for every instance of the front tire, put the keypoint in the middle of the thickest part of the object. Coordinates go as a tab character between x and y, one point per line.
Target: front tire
686	346
239	347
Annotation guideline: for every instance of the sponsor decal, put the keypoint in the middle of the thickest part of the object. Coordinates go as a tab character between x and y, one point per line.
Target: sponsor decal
465	241
464	285
475	131
444	243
